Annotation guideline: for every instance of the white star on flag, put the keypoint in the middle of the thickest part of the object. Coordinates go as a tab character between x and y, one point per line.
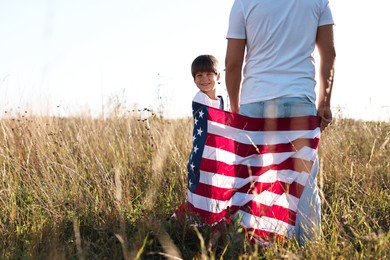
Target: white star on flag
201	113
200	131
196	148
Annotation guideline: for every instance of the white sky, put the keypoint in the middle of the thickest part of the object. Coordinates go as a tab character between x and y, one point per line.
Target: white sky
76	54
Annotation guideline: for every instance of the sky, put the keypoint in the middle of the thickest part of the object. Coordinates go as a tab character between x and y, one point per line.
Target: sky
63	57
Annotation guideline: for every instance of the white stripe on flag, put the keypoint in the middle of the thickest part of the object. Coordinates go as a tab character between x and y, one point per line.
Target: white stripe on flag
266	224
229	182
260	137
256	160
306	153
207	204
239	199
285	200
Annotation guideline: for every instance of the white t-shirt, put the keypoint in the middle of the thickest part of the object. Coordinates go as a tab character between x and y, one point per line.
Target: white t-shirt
202	98
280	39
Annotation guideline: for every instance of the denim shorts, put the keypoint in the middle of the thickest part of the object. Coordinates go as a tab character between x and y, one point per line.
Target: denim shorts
308	218
281	107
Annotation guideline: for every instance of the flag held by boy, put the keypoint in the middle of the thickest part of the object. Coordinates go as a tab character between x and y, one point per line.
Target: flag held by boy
251	168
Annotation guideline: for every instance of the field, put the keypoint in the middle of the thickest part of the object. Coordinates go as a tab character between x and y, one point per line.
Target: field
84	188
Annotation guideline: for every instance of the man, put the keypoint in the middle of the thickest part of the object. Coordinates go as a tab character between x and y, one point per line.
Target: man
277	40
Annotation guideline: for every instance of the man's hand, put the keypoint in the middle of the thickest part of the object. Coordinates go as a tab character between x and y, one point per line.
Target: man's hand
325	113
235	109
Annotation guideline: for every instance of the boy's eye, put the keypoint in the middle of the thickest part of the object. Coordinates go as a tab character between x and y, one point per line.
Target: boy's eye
208	74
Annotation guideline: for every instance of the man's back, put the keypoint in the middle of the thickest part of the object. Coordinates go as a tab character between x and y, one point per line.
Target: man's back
280	37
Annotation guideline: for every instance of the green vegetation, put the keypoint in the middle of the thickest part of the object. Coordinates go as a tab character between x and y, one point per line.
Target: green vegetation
83	188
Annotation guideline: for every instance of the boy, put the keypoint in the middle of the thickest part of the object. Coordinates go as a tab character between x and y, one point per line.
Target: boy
205	72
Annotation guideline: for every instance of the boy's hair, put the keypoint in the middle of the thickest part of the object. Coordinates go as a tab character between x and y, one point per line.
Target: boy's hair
204	63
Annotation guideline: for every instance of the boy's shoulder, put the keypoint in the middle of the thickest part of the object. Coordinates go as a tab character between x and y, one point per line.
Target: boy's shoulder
203	99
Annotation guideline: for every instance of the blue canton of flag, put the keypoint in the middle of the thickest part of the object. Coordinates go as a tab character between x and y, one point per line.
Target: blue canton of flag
200	113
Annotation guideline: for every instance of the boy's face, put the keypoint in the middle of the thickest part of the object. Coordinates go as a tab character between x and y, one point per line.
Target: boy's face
206	81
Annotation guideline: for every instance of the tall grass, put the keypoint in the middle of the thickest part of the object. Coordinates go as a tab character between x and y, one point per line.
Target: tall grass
84	188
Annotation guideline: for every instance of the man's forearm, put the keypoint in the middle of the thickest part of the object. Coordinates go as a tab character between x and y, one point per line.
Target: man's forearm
233	65
326	49
233	80
326	81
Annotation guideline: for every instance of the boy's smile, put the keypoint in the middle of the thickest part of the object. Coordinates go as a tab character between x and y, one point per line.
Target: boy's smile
206	81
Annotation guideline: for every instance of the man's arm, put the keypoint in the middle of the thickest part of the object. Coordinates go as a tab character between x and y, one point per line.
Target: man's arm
233	64
327	52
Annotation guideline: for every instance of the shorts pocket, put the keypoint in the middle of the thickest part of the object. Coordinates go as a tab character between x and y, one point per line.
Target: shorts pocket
299	109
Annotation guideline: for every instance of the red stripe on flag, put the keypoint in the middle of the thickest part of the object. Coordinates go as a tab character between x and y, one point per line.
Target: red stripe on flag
224	194
243	171
274	211
244	150
278	187
263	124
256	209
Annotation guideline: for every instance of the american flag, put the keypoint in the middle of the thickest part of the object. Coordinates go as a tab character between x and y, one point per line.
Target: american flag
254	169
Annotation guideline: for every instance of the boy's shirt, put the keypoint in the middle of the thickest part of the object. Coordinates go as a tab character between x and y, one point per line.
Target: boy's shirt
202	98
